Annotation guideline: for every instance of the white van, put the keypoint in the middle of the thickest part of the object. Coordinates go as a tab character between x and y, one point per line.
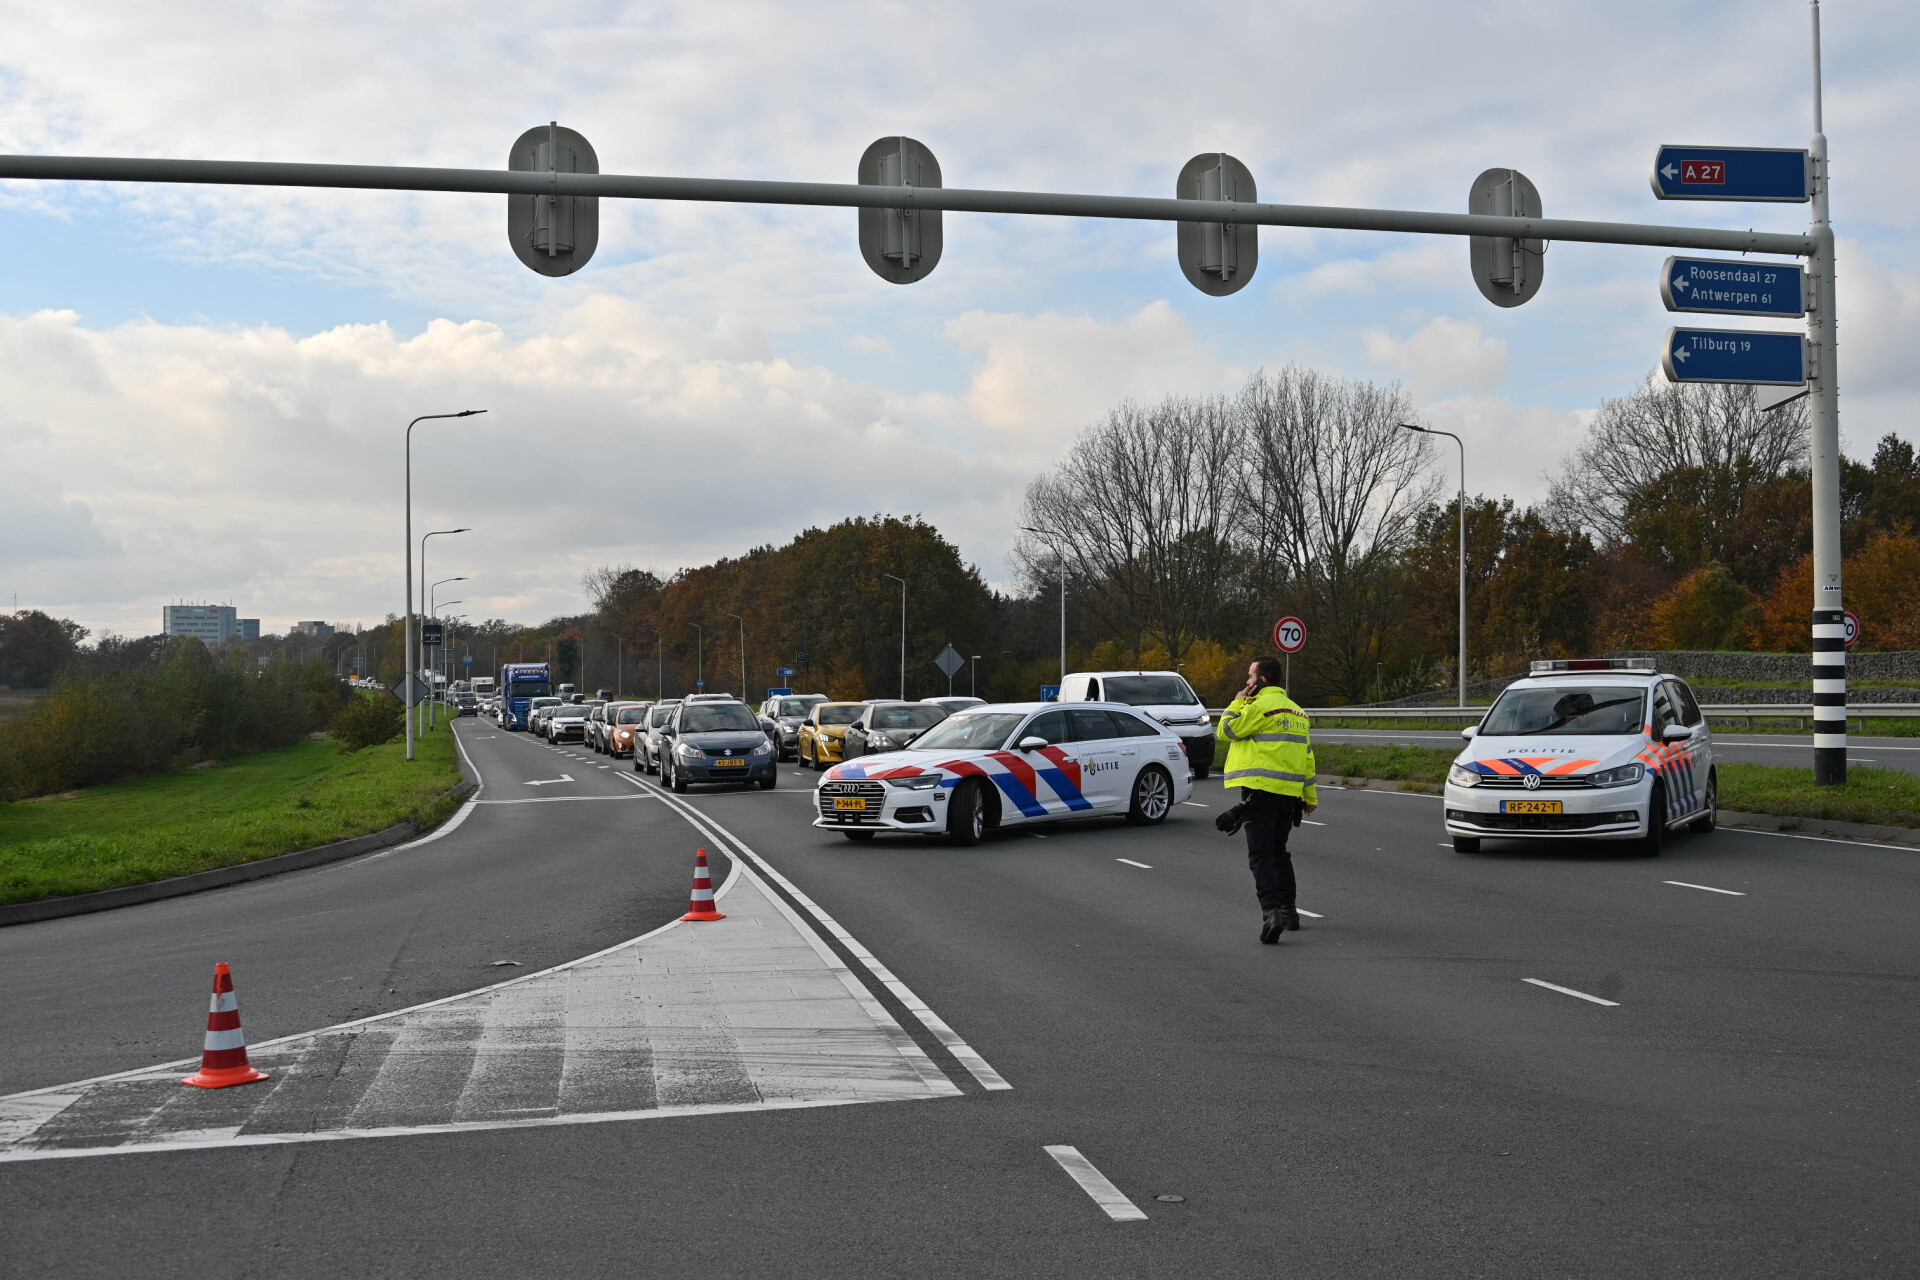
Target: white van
1164	695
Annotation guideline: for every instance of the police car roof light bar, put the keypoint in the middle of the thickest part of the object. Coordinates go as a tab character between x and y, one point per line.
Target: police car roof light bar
1561	666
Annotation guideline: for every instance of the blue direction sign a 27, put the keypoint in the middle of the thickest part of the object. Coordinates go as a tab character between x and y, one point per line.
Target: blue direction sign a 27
1733	173
1735	355
1733	287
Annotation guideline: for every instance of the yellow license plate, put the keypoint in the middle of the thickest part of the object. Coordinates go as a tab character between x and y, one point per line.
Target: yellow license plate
731	764
1530	806
857	803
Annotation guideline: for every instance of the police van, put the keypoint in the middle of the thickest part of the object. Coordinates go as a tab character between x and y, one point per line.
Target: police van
1585	749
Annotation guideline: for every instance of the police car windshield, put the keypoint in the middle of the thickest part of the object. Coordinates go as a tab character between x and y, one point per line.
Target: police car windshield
1567	710
976	732
1149	691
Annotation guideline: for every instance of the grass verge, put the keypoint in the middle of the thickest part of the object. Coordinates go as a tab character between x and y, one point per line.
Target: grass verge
243	809
1886	797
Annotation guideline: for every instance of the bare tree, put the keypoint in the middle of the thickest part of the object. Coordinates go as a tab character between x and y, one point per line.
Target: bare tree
1712	431
1140	511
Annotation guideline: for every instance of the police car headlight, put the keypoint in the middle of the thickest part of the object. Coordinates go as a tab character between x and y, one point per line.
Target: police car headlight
1461	776
1625	775
919	782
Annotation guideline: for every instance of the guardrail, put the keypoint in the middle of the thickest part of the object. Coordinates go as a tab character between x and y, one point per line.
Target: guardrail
1724	711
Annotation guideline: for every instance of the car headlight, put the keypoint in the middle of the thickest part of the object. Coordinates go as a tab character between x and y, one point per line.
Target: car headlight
882	740
763	749
690	752
919	782
1461	776
1625	775
622	734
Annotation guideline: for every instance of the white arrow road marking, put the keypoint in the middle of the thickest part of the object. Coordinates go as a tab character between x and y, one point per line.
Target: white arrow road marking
548	782
1569	991
1095	1183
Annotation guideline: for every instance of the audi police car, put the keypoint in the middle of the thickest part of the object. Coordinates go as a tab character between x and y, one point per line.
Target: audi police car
1585	749
1006	765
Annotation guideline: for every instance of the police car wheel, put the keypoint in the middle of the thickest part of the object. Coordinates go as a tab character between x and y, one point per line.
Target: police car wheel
1711	818
1152	798
1466	844
1648	846
967	814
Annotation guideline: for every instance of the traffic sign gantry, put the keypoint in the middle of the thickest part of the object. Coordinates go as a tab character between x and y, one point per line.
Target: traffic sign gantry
1735	355
1290	634
1729	287
1771	174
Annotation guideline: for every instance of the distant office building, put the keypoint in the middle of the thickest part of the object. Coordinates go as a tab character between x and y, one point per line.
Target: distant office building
311	629
212	624
249	628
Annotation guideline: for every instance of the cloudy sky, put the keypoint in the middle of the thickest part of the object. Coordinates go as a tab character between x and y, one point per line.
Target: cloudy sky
202	391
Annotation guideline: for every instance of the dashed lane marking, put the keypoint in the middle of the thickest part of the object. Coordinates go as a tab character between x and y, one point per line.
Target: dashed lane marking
1731	893
1095	1183
1196	804
1569	991
1130	862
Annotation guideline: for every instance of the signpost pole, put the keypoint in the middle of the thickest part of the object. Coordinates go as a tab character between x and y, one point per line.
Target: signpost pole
1829	651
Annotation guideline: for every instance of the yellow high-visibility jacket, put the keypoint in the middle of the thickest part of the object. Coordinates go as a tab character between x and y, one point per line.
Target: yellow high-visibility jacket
1268	745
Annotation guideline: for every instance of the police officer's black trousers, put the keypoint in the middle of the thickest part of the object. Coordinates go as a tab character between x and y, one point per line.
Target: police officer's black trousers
1269	823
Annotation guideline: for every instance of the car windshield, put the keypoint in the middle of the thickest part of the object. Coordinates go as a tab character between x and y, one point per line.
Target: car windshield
841	715
1148	691
717	717
792	707
545	702
575	712
1564	710
979	731
907	717
633	715
529	689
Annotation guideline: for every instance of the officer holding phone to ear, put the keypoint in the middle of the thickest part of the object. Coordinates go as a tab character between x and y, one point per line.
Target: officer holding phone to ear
1270	758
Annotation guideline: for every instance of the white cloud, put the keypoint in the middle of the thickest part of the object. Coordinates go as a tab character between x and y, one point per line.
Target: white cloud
1511	449
1442	355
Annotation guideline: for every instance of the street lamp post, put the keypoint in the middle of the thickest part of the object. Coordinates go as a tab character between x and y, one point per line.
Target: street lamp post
699	658
743	654
659	666
1430	431
619	665
437	533
432	711
973	672
903	632
407	538
1048	533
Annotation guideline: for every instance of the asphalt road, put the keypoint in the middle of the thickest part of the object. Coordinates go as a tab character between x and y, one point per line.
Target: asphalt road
1384	1094
1745	748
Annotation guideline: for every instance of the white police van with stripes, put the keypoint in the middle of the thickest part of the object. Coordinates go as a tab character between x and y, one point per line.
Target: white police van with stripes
1585	749
1007	765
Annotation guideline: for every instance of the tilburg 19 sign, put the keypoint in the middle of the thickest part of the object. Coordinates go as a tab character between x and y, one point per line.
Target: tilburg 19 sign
1290	634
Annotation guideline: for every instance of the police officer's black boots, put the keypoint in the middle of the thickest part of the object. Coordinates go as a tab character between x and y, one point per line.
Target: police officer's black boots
1293	918
1272	921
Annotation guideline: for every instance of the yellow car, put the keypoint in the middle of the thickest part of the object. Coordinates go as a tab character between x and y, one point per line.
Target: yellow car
823	733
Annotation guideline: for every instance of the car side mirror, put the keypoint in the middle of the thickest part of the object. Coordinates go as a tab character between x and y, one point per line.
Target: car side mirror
666	731
1676	733
1471	731
1033	742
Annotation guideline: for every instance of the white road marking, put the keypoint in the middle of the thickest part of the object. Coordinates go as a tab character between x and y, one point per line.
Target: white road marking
1569	991
560	799
1731	893
1311	823
1311	915
1096	1185
1196	804
1130	862
965	1054
548	782
1446	844
1036	835
1789	835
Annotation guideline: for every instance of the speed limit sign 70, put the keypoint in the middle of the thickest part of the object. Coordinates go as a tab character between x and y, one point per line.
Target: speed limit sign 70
1290	634
1850	627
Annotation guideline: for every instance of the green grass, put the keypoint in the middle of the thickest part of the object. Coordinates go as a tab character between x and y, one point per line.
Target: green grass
1884	796
248	807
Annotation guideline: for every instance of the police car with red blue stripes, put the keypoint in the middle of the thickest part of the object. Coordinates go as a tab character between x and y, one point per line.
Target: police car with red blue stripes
1007	765
1585	749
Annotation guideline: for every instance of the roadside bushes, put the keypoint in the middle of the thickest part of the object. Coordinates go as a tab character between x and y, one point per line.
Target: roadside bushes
368	721
131	707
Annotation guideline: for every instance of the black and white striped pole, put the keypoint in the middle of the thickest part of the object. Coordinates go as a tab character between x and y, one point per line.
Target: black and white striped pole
1829	620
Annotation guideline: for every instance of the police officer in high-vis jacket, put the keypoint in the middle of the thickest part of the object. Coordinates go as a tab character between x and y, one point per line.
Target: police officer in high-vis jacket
1270	758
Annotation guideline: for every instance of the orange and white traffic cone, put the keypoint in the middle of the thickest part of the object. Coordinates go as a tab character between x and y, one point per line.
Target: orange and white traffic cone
224	1059
701	908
